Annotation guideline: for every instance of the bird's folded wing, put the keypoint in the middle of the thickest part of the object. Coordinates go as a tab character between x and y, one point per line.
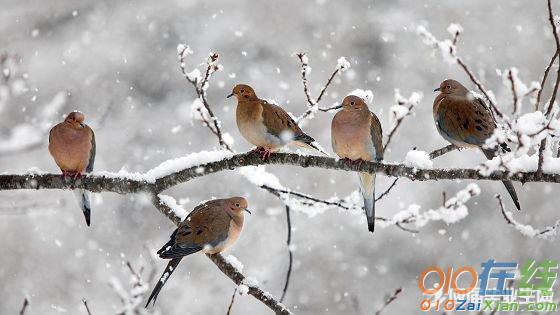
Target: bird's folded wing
376	136
277	120
89	167
465	121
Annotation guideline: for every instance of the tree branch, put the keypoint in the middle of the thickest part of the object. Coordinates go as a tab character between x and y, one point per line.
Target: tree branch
111	183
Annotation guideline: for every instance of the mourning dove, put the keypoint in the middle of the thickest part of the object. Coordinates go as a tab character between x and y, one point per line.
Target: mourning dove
266	125
357	136
72	145
211	227
464	120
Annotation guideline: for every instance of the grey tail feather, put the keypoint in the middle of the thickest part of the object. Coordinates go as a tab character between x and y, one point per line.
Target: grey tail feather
83	197
369	199
489	153
171	266
312	144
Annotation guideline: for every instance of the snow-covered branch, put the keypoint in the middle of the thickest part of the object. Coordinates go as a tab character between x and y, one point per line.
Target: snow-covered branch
525	229
200	84
181	170
312	103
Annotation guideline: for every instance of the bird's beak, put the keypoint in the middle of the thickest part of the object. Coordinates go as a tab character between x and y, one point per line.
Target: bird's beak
246	209
230	95
437	90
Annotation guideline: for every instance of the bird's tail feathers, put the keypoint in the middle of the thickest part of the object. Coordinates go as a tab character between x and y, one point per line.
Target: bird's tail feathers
309	143
163	279
83	197
367	188
490	153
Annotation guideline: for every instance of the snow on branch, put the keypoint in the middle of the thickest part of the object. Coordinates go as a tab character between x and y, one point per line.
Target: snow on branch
313	104
125	183
527	230
399	111
452	211
201	83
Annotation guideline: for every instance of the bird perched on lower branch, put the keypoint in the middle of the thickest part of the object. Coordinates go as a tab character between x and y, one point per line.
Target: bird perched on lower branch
72	145
267	125
211	227
356	137
464	120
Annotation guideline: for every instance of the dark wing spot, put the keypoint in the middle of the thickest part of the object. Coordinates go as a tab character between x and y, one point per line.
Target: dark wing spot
246	96
458	119
478	121
478	128
198	232
479	113
466	124
290	124
186	233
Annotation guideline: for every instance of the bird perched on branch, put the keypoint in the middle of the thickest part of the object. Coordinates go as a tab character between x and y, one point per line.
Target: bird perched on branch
357	136
72	145
211	227
464	120
266	125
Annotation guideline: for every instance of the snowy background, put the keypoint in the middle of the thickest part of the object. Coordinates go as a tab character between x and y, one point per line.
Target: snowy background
117	61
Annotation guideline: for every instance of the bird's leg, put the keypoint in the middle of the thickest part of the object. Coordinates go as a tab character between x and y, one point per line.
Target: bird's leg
265	153
76	175
358	162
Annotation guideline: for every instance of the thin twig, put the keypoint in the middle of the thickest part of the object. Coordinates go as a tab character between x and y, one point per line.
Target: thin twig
86	306
24	306
312	104
211	67
386	192
290	254
543	81
439	152
527	230
389	300
513	91
231	302
397	125
554	91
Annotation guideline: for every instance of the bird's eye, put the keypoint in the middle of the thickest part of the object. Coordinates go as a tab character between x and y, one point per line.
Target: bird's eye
449	86
242	90
237	205
351	103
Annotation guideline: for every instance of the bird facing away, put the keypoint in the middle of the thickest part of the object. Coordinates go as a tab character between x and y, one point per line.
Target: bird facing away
211	227
72	146
266	125
465	121
357	136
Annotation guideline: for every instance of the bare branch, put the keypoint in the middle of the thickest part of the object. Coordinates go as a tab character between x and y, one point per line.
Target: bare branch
386	192
231	302
543	81
528	230
201	88
513	91
389	300
290	254
555	90
86	306
439	152
312	104
24	306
